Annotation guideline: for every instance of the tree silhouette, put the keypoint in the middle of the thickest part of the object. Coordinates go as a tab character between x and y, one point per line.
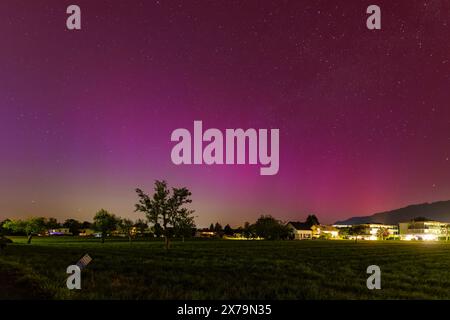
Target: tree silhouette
52	223
312	220
356	231
30	227
382	233
105	222
227	230
184	224
269	228
73	225
126	226
165	207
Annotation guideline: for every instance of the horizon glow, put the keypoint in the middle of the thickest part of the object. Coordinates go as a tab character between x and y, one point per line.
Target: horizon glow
86	116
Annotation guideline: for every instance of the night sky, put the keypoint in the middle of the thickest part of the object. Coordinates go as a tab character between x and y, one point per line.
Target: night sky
86	116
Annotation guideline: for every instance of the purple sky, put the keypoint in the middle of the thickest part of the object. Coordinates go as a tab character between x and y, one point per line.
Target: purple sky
86	116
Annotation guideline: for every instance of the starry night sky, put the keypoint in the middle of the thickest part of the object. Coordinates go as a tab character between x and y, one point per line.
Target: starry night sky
86	116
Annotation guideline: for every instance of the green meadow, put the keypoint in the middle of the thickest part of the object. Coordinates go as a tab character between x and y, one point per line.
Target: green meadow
225	269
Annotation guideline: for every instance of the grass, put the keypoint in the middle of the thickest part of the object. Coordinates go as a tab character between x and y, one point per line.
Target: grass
217	269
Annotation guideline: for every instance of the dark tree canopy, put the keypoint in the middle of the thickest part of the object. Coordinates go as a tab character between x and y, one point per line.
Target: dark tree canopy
312	220
126	226
228	230
73	225
105	222
218	227
166	207
356	231
269	228
29	227
52	223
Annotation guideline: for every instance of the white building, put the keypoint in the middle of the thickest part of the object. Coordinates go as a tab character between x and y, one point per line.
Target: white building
301	230
423	230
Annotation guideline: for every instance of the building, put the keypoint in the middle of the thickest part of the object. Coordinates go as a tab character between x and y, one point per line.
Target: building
323	231
376	231
423	230
371	231
59	232
205	233
300	230
86	232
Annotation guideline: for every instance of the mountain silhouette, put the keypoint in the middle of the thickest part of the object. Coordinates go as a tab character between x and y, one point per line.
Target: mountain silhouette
439	211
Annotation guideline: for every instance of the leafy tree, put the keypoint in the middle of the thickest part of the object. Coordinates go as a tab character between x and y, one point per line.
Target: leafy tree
2	229
86	225
105	222
165	206
73	225
382	233
269	228
312	220
30	227
158	230
356	231
52	223
227	230
248	230
218	228
126	226
184	224
211	227
3	240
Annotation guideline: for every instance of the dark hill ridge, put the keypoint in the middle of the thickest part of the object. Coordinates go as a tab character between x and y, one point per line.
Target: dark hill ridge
439	211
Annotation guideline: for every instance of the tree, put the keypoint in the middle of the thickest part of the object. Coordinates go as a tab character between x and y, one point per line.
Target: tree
211	227
312	220
183	224
269	228
218	227
30	227
228	231
73	225
157	230
382	233
52	223
356	231
2	229
126	226
86	225
248	231
165	206
105	222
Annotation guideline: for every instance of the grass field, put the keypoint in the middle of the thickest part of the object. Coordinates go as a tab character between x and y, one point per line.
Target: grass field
218	269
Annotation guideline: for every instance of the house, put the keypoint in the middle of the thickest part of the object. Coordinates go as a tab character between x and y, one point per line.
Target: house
205	233
423	230
59	232
86	232
324	231
377	231
301	230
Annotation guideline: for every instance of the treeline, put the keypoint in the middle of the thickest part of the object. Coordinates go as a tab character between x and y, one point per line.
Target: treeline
166	216
104	224
266	227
